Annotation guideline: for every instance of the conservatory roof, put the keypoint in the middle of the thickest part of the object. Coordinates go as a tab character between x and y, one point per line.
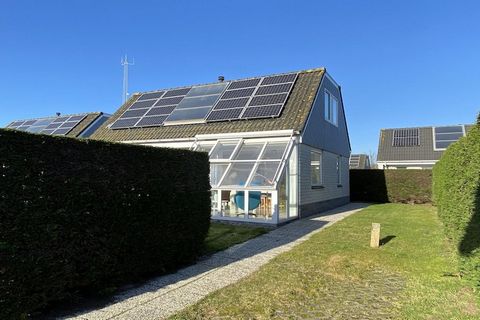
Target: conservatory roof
293	116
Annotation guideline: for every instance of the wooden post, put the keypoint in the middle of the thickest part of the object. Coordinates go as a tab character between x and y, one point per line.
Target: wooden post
375	237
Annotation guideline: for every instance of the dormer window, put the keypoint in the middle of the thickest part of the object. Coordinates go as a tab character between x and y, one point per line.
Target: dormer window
331	108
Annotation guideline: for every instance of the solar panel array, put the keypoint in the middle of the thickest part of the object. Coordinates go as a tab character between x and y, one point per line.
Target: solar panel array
254	98
61	125
406	137
354	161
445	136
151	109
262	97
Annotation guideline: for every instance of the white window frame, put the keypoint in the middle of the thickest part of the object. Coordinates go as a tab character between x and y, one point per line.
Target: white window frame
320	168
434	134
330	114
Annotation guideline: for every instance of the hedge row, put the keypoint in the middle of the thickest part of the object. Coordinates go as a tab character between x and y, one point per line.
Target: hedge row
80	216
456	189
405	186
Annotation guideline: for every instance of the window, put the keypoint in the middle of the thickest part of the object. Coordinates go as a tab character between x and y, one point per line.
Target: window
331	108
339	170
316	168
445	136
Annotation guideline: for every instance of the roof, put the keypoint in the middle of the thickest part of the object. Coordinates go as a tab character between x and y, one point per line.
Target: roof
424	151
293	117
79	128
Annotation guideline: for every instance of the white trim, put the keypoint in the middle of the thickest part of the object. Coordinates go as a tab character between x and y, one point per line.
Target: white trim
250	134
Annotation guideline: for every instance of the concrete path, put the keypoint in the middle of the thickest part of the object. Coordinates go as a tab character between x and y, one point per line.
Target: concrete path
166	295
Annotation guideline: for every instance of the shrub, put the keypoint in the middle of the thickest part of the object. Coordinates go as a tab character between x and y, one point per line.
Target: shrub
456	189
81	215
404	186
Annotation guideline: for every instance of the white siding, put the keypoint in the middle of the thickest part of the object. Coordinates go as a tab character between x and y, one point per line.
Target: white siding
330	189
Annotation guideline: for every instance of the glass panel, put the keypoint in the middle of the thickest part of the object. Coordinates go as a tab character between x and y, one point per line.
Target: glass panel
197	102
232	203
443	144
334	110
282	198
204	147
35	129
265	174
274	150
327	106
45	122
214	198
207	90
249	151
216	172
315	173
292	184
188	114
223	150
448	136
450	129
259	205
238	174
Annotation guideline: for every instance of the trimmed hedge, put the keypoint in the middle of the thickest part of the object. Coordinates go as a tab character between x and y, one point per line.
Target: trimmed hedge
456	189
83	215
404	186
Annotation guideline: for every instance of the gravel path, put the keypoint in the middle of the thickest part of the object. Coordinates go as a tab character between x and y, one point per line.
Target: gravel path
166	295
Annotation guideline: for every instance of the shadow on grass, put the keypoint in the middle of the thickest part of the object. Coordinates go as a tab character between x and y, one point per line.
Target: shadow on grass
471	239
263	243
386	240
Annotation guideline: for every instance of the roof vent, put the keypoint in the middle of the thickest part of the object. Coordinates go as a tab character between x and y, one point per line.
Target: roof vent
58	114
221	78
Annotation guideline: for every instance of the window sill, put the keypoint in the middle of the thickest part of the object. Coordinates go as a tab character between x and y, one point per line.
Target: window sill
318	187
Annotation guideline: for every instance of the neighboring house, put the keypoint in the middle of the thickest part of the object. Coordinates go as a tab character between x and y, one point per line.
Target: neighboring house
416	148
360	161
76	125
278	145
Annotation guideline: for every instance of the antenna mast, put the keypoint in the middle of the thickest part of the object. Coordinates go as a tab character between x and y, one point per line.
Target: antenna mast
124	62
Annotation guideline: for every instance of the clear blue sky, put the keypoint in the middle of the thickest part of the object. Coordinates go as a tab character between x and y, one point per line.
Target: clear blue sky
400	63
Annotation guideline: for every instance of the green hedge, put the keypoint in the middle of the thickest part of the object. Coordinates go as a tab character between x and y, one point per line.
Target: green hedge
405	186
78	215
456	189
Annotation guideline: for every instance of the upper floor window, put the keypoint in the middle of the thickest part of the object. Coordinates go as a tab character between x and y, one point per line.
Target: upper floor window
331	108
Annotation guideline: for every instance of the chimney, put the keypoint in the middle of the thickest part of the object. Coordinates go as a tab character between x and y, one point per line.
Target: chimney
221	78
58	114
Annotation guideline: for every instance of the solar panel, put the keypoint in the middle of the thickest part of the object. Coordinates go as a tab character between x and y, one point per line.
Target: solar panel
153	95
262	112
198	102
244	83
225	114
52	125
265	96
150	109
445	136
406	137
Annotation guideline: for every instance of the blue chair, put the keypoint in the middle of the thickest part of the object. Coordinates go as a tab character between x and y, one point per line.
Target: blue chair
253	199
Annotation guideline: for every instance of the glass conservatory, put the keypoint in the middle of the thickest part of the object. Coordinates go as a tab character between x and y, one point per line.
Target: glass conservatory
252	180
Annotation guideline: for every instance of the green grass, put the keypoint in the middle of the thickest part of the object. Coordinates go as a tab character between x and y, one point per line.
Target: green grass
221	236
336	275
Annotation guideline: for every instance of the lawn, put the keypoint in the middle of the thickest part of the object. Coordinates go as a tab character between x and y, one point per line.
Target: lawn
221	236
336	275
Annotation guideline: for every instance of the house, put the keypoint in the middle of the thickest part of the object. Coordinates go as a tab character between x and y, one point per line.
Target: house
416	148
360	161
278	144
74	125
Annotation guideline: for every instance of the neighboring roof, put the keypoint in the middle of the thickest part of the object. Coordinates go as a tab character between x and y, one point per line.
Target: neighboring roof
424	151
359	161
85	123
293	116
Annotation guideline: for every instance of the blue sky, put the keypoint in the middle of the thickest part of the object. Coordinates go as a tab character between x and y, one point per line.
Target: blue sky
400	63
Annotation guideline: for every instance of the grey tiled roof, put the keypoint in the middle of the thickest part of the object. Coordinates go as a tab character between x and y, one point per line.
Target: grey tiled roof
424	151
294	116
